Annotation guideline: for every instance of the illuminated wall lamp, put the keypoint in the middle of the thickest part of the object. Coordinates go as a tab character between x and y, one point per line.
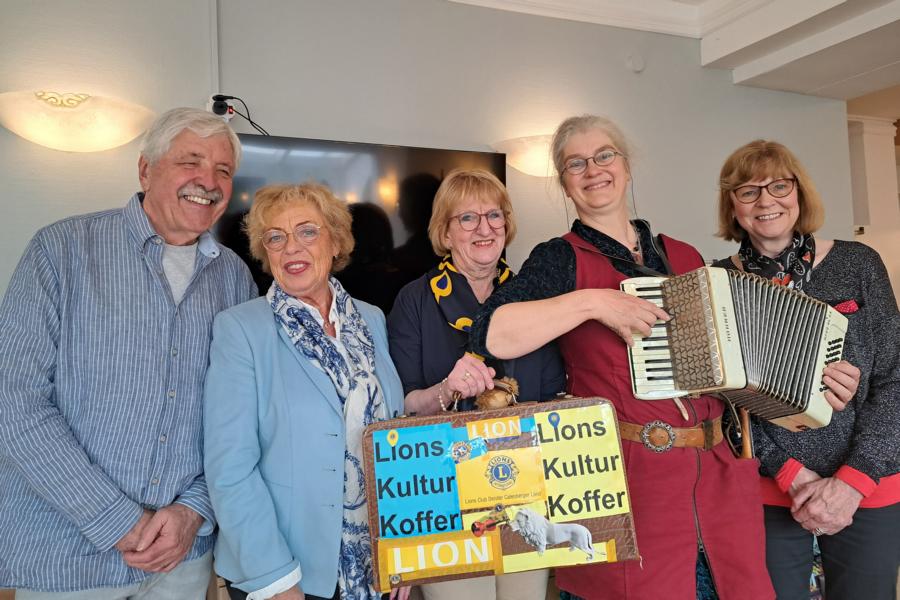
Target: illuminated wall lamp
530	155
73	122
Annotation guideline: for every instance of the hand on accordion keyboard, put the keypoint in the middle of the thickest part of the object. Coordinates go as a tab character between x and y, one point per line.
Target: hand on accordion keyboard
842	379
624	314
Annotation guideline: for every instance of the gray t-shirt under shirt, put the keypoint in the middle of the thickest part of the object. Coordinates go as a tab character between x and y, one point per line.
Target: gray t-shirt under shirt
178	265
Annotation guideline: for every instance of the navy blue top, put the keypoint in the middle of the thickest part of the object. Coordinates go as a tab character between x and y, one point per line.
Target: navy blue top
425	348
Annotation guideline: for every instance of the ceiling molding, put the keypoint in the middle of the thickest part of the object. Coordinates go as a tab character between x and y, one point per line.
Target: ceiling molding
832	48
715	14
851	29
657	16
686	18
760	25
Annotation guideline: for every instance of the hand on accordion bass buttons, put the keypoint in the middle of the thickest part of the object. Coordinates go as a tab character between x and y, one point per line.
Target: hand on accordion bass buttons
842	380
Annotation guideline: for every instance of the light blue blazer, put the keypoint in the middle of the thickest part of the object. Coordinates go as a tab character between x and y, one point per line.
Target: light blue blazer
274	444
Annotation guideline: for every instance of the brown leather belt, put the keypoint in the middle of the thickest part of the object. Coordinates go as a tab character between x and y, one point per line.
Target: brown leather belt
659	436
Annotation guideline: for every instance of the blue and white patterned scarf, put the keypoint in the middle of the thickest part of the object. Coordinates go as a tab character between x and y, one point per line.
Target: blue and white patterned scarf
349	361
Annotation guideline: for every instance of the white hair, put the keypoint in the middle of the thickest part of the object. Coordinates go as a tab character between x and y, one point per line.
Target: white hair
166	128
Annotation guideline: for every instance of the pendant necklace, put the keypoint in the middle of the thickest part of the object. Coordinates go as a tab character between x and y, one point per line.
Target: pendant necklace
636	252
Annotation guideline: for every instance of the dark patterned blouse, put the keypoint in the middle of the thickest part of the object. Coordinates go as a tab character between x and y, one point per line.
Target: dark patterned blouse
549	271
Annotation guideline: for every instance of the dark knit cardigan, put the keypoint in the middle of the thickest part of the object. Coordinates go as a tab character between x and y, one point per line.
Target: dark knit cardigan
866	435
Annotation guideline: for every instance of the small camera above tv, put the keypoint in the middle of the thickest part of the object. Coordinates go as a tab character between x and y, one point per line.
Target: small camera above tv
390	190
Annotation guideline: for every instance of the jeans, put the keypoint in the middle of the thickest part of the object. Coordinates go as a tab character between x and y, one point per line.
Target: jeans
187	581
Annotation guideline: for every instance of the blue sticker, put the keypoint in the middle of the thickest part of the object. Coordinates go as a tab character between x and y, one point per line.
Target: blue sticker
554	419
527	423
462	448
415	483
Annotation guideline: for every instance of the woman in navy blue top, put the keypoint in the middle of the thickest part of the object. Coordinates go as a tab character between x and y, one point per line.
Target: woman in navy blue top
428	329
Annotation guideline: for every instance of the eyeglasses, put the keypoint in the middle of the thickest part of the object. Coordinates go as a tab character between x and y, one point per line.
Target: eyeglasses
779	188
469	221
576	166
304	233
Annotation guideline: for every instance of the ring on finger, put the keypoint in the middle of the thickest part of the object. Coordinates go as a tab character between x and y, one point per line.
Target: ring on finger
467	375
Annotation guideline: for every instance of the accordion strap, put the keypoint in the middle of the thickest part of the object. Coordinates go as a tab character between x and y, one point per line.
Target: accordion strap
621	264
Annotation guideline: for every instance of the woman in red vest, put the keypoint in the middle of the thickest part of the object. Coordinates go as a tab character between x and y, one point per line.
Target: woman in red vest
697	509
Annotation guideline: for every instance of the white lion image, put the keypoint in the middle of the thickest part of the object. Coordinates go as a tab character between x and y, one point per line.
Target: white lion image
537	531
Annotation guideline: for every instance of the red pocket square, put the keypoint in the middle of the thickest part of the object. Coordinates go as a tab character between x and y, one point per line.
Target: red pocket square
847	307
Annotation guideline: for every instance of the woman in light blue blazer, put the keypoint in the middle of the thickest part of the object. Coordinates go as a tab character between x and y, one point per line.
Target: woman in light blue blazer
294	378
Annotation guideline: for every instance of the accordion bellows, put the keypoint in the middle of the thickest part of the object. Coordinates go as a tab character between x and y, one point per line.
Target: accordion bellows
759	345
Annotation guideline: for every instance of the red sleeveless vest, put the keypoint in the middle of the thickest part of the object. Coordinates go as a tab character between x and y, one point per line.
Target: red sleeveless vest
678	497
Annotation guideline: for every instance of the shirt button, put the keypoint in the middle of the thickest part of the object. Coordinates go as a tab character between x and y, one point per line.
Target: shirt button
174	351
157	240
154	481
162	439
171	393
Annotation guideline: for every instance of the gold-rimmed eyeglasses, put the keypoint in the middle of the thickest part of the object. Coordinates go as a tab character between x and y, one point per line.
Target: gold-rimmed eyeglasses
304	233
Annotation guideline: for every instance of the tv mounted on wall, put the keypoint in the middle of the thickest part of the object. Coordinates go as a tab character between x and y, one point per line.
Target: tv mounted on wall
390	190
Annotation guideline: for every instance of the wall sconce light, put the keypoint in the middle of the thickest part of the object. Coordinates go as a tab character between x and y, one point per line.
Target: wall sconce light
73	122
530	155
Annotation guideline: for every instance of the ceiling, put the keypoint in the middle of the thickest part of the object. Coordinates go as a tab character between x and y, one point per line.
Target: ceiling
841	49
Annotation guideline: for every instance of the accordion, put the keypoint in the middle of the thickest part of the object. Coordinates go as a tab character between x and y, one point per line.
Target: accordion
759	345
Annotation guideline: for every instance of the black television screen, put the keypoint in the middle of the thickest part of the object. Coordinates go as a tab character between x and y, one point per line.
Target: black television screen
390	190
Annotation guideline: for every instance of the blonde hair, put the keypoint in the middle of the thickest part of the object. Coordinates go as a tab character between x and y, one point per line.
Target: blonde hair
580	124
273	199
459	185
761	159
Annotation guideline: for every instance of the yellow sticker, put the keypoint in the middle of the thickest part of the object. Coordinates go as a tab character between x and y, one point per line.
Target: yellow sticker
559	557
585	477
437	555
504	477
491	429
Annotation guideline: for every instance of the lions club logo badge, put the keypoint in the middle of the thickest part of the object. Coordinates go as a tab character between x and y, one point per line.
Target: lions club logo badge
501	472
461	451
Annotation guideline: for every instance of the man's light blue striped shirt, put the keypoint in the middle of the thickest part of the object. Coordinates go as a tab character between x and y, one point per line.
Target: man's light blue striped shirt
101	377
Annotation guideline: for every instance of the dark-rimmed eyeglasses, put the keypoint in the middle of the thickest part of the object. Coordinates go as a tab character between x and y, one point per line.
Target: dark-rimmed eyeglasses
469	220
576	166
304	233
778	188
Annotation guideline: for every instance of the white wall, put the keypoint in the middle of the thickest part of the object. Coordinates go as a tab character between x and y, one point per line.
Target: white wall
873	168
151	53
416	72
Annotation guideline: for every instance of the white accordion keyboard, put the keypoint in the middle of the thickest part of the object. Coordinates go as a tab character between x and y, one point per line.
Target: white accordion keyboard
759	345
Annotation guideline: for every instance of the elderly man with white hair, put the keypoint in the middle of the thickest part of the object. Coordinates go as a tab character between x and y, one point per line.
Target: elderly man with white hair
104	339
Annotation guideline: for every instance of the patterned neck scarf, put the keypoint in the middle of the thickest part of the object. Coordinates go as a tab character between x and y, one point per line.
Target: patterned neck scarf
454	295
792	268
350	364
311	340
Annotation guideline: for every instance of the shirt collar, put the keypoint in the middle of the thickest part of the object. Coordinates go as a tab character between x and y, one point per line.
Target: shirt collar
334	316
142	231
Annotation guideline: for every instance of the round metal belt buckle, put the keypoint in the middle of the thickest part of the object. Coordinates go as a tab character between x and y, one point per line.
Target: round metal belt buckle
645	436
